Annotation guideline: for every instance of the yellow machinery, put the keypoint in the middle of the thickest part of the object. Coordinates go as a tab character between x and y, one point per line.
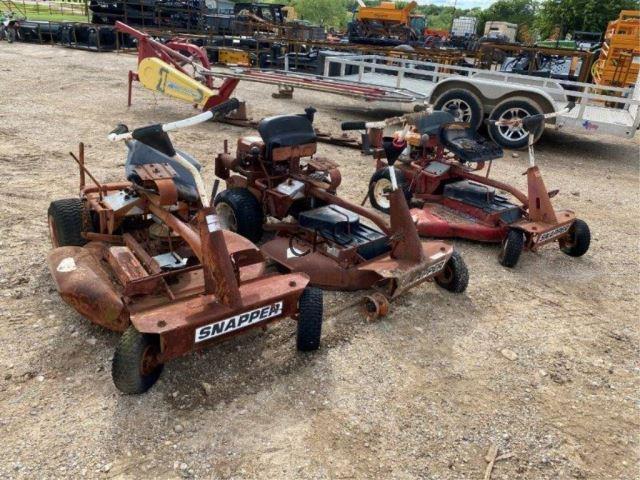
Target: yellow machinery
386	12
619	60
387	21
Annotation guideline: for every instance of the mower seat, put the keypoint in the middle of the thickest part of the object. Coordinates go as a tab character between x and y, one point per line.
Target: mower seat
285	131
432	124
464	142
142	154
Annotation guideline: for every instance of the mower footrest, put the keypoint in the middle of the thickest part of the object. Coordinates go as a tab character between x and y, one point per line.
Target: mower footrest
125	265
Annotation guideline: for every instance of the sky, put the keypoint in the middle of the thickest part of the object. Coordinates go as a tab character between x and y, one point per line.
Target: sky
459	3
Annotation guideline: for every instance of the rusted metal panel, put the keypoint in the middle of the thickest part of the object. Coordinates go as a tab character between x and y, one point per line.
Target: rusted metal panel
125	265
84	284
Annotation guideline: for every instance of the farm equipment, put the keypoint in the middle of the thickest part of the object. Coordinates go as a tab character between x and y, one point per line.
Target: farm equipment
175	69
439	169
620	52
386	24
275	183
149	258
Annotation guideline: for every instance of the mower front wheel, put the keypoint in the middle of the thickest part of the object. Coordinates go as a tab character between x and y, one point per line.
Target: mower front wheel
240	212
455	275
579	239
512	247
309	319
380	187
135	369
65	218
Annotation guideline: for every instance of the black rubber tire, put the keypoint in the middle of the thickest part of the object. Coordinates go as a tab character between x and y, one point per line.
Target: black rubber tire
247	211
475	106
384	173
580	239
529	106
309	320
126	369
512	247
455	275
68	221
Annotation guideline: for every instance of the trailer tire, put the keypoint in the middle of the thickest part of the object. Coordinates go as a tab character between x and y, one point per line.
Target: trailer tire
579	239
521	107
240	212
380	183
512	247
66	222
309	320
128	370
454	277
468	103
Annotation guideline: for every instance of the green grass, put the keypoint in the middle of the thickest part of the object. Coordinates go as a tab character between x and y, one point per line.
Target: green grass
42	12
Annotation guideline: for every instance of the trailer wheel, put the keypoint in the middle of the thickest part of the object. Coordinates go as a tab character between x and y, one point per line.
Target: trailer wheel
579	239
513	137
455	275
240	212
512	247
66	222
467	103
134	368
380	187
309	319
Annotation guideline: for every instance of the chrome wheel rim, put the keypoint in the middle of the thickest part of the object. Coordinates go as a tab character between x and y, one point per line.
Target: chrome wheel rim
227	218
464	109
381	191
511	133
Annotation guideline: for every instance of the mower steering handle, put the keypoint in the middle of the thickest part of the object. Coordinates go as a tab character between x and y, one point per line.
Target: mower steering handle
533	119
221	109
353	126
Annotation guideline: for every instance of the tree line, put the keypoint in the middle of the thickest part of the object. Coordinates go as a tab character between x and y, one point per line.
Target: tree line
536	18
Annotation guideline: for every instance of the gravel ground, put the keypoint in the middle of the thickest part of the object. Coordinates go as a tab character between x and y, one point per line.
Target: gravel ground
540	361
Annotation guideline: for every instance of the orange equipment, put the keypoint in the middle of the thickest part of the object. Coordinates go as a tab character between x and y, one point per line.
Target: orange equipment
619	60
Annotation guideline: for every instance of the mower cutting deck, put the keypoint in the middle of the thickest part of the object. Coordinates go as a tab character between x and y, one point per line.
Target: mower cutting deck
439	161
148	257
276	183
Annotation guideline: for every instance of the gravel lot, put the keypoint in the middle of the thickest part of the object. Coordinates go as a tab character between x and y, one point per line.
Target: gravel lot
540	361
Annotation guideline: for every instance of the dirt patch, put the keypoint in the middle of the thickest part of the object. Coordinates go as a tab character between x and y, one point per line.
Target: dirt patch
421	394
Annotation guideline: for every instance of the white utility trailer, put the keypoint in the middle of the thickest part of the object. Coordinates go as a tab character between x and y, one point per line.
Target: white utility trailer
480	94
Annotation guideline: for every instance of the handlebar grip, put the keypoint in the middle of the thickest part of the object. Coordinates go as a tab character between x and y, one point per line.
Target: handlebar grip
120	129
225	107
353	126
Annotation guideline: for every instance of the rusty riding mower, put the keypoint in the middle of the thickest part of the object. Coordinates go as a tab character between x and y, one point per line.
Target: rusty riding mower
275	183
148	257
439	161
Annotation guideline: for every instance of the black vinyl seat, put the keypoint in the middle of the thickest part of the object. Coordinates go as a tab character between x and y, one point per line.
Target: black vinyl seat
431	124
142	154
285	131
469	146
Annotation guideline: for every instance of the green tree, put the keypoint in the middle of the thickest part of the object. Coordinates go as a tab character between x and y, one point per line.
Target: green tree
584	15
331	13
521	12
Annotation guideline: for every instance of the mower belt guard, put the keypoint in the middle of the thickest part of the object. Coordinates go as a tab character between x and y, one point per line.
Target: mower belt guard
84	284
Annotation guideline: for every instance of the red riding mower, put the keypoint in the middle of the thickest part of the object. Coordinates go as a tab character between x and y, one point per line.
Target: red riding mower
275	183
438	163
148	257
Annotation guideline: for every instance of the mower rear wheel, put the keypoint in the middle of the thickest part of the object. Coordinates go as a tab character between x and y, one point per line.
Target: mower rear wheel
380	187
455	275
65	218
579	239
512	247
240	212
135	369
309	319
